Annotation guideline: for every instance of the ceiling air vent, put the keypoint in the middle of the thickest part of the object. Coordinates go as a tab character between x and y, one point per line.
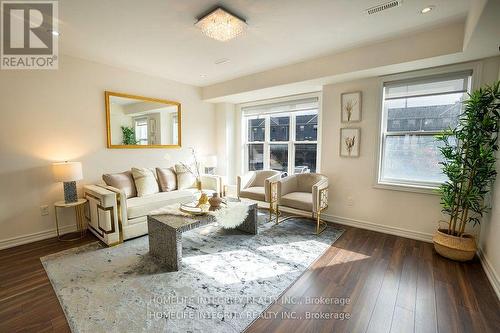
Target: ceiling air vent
383	6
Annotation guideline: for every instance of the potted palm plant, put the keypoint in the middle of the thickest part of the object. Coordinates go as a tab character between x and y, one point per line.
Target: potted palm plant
469	163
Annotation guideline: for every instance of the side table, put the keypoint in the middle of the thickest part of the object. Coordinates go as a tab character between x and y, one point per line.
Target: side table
81	227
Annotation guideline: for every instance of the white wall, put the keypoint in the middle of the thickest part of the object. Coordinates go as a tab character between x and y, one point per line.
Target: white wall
490	234
118	119
227	158
400	212
352	179
59	115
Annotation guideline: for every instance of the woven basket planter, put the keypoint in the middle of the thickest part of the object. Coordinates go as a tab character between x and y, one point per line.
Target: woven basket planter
453	247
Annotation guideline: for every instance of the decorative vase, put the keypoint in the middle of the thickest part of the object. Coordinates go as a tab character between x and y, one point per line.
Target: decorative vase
215	200
203	200
454	247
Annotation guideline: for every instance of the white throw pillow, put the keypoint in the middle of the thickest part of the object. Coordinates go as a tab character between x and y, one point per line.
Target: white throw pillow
184	178
145	181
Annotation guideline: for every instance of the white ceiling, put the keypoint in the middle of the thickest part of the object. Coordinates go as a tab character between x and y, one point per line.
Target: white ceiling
159	37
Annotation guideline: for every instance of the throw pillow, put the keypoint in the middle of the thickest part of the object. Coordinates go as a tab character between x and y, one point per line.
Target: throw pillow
167	179
145	181
185	179
122	181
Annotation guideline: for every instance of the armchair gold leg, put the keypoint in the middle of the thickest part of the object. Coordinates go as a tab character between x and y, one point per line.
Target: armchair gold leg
320	225
273	209
277	214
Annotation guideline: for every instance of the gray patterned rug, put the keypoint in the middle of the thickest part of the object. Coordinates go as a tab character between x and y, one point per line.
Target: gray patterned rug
227	279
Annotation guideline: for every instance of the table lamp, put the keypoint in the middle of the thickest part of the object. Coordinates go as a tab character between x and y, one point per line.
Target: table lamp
210	164
68	173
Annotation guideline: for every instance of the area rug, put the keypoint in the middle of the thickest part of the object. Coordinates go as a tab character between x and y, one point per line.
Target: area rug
226	281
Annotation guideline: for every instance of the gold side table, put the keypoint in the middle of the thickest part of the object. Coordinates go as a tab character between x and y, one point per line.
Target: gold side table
81	225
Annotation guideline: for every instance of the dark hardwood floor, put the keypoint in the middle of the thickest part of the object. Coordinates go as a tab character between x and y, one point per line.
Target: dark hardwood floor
27	301
392	284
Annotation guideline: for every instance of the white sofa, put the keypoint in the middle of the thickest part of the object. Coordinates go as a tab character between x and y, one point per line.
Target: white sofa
113	217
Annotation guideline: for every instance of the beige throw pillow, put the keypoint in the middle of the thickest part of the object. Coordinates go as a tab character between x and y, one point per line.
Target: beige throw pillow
184	178
122	181
145	181
167	179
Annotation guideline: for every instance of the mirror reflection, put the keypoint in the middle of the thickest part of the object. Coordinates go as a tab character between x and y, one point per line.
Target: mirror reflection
135	122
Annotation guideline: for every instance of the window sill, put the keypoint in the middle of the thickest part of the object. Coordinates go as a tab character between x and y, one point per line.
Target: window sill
407	188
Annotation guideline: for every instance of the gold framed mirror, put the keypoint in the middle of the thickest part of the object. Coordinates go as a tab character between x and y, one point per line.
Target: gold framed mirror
142	122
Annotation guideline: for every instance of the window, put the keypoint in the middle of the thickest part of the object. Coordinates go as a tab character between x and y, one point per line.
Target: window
175	130
282	136
141	131
256	128
414	111
255	157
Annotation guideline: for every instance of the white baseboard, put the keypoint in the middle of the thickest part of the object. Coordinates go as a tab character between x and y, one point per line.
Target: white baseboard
490	272
412	234
24	239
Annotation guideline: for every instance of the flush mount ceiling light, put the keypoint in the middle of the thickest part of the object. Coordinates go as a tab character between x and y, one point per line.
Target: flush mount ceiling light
426	9
221	25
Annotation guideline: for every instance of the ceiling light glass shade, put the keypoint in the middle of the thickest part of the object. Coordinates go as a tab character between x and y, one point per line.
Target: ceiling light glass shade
221	25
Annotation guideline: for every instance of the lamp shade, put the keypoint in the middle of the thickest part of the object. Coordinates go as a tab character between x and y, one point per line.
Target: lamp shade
211	161
67	171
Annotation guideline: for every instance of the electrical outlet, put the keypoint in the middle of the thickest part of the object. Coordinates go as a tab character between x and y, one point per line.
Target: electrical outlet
44	210
350	201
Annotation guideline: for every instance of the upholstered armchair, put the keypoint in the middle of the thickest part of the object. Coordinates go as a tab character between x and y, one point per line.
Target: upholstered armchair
307	192
256	185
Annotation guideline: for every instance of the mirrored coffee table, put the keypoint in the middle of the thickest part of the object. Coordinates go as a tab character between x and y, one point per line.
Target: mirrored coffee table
165	234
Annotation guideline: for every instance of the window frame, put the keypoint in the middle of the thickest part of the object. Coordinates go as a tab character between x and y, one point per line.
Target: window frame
292	132
424	187
145	121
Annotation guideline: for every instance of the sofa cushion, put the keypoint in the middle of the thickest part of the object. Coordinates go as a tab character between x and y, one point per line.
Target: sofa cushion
145	181
123	181
185	179
141	206
254	193
167	179
297	200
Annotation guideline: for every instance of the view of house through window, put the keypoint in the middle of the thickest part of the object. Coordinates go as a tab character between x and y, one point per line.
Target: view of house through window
414	111
282	136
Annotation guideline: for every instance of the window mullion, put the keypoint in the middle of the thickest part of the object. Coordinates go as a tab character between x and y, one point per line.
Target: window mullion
267	139
426	95
401	133
246	160
291	147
